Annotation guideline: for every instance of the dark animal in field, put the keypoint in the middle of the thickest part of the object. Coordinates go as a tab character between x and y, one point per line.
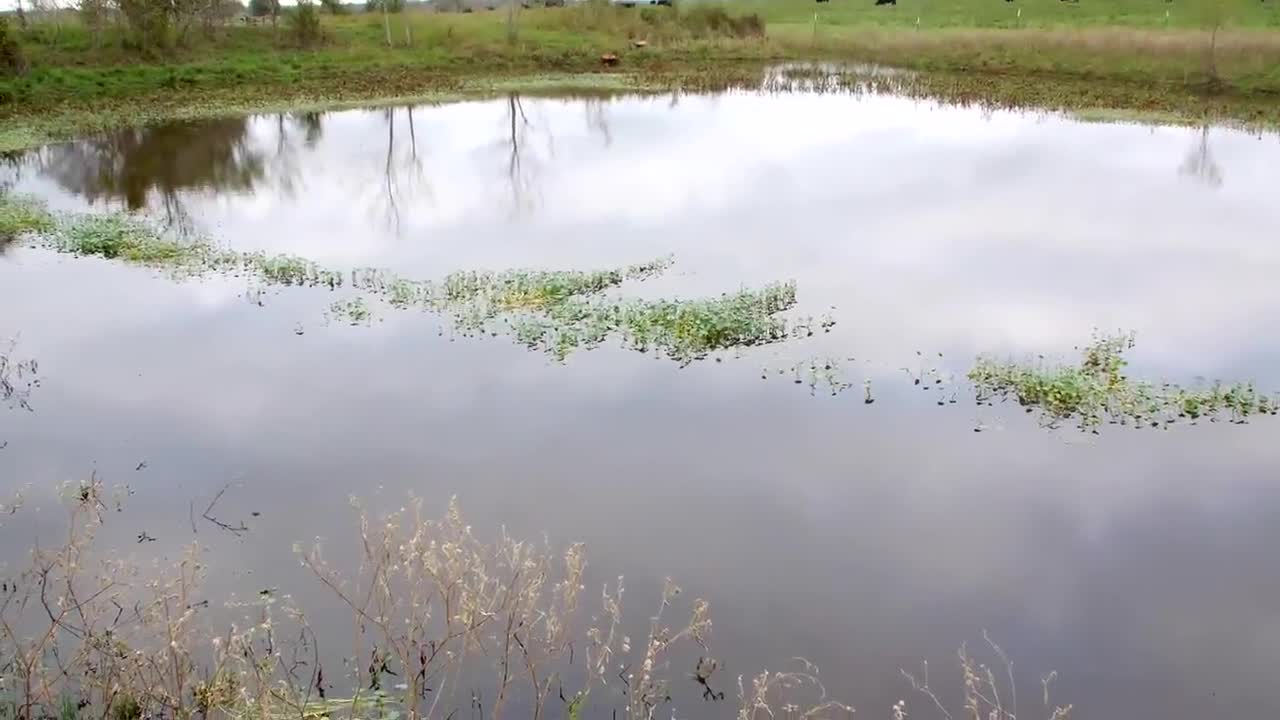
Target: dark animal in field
609	59
886	2
822	1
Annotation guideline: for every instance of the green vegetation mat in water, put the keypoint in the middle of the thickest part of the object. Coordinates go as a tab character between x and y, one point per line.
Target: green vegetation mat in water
560	311
1097	391
555	311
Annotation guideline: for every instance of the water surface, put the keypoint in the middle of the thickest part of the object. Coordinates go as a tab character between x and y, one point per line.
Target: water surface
1139	565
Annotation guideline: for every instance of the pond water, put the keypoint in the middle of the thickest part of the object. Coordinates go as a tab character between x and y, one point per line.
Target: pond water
1140	566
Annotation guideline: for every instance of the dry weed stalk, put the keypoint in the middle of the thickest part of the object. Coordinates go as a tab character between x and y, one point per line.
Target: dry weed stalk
18	377
430	600
428	596
440	618
70	625
771	690
981	690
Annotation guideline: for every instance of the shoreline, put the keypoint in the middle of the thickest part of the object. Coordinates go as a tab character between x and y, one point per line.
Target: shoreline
28	126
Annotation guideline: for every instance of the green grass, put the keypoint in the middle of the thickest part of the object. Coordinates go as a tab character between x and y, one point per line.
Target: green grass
1097	391
684	330
21	215
132	239
125	238
355	58
1133	14
1132	56
558	312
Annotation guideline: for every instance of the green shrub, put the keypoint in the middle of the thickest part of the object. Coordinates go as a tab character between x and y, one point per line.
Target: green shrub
304	24
12	60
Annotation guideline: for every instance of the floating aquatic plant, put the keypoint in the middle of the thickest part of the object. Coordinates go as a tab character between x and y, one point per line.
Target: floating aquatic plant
21	215
285	269
123	237
353	311
559	311
819	372
1097	391
556	311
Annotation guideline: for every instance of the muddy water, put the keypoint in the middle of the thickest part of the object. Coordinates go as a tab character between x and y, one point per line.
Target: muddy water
1138	565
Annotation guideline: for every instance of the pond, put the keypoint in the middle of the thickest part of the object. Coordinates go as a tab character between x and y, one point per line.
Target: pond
865	537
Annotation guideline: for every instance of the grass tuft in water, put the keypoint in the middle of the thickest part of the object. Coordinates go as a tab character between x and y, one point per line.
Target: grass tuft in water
22	215
683	330
690	329
290	270
560	311
353	311
556	311
121	237
1097	391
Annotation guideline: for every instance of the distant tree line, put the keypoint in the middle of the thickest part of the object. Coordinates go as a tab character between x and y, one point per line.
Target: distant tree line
147	24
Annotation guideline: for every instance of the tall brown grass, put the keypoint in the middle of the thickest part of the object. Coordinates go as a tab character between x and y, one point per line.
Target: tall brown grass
654	24
441	621
1245	57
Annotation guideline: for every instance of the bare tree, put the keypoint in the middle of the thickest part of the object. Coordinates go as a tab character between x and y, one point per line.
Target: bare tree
1200	164
403	174
515	168
392	208
598	119
522	159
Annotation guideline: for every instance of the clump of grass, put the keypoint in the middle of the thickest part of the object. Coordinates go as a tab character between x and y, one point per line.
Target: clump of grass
683	330
559	311
1097	391
494	293
690	329
353	311
288	270
22	215
131	239
123	237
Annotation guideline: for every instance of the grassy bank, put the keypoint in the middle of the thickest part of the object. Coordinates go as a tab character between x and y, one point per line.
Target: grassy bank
23	126
1179	60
